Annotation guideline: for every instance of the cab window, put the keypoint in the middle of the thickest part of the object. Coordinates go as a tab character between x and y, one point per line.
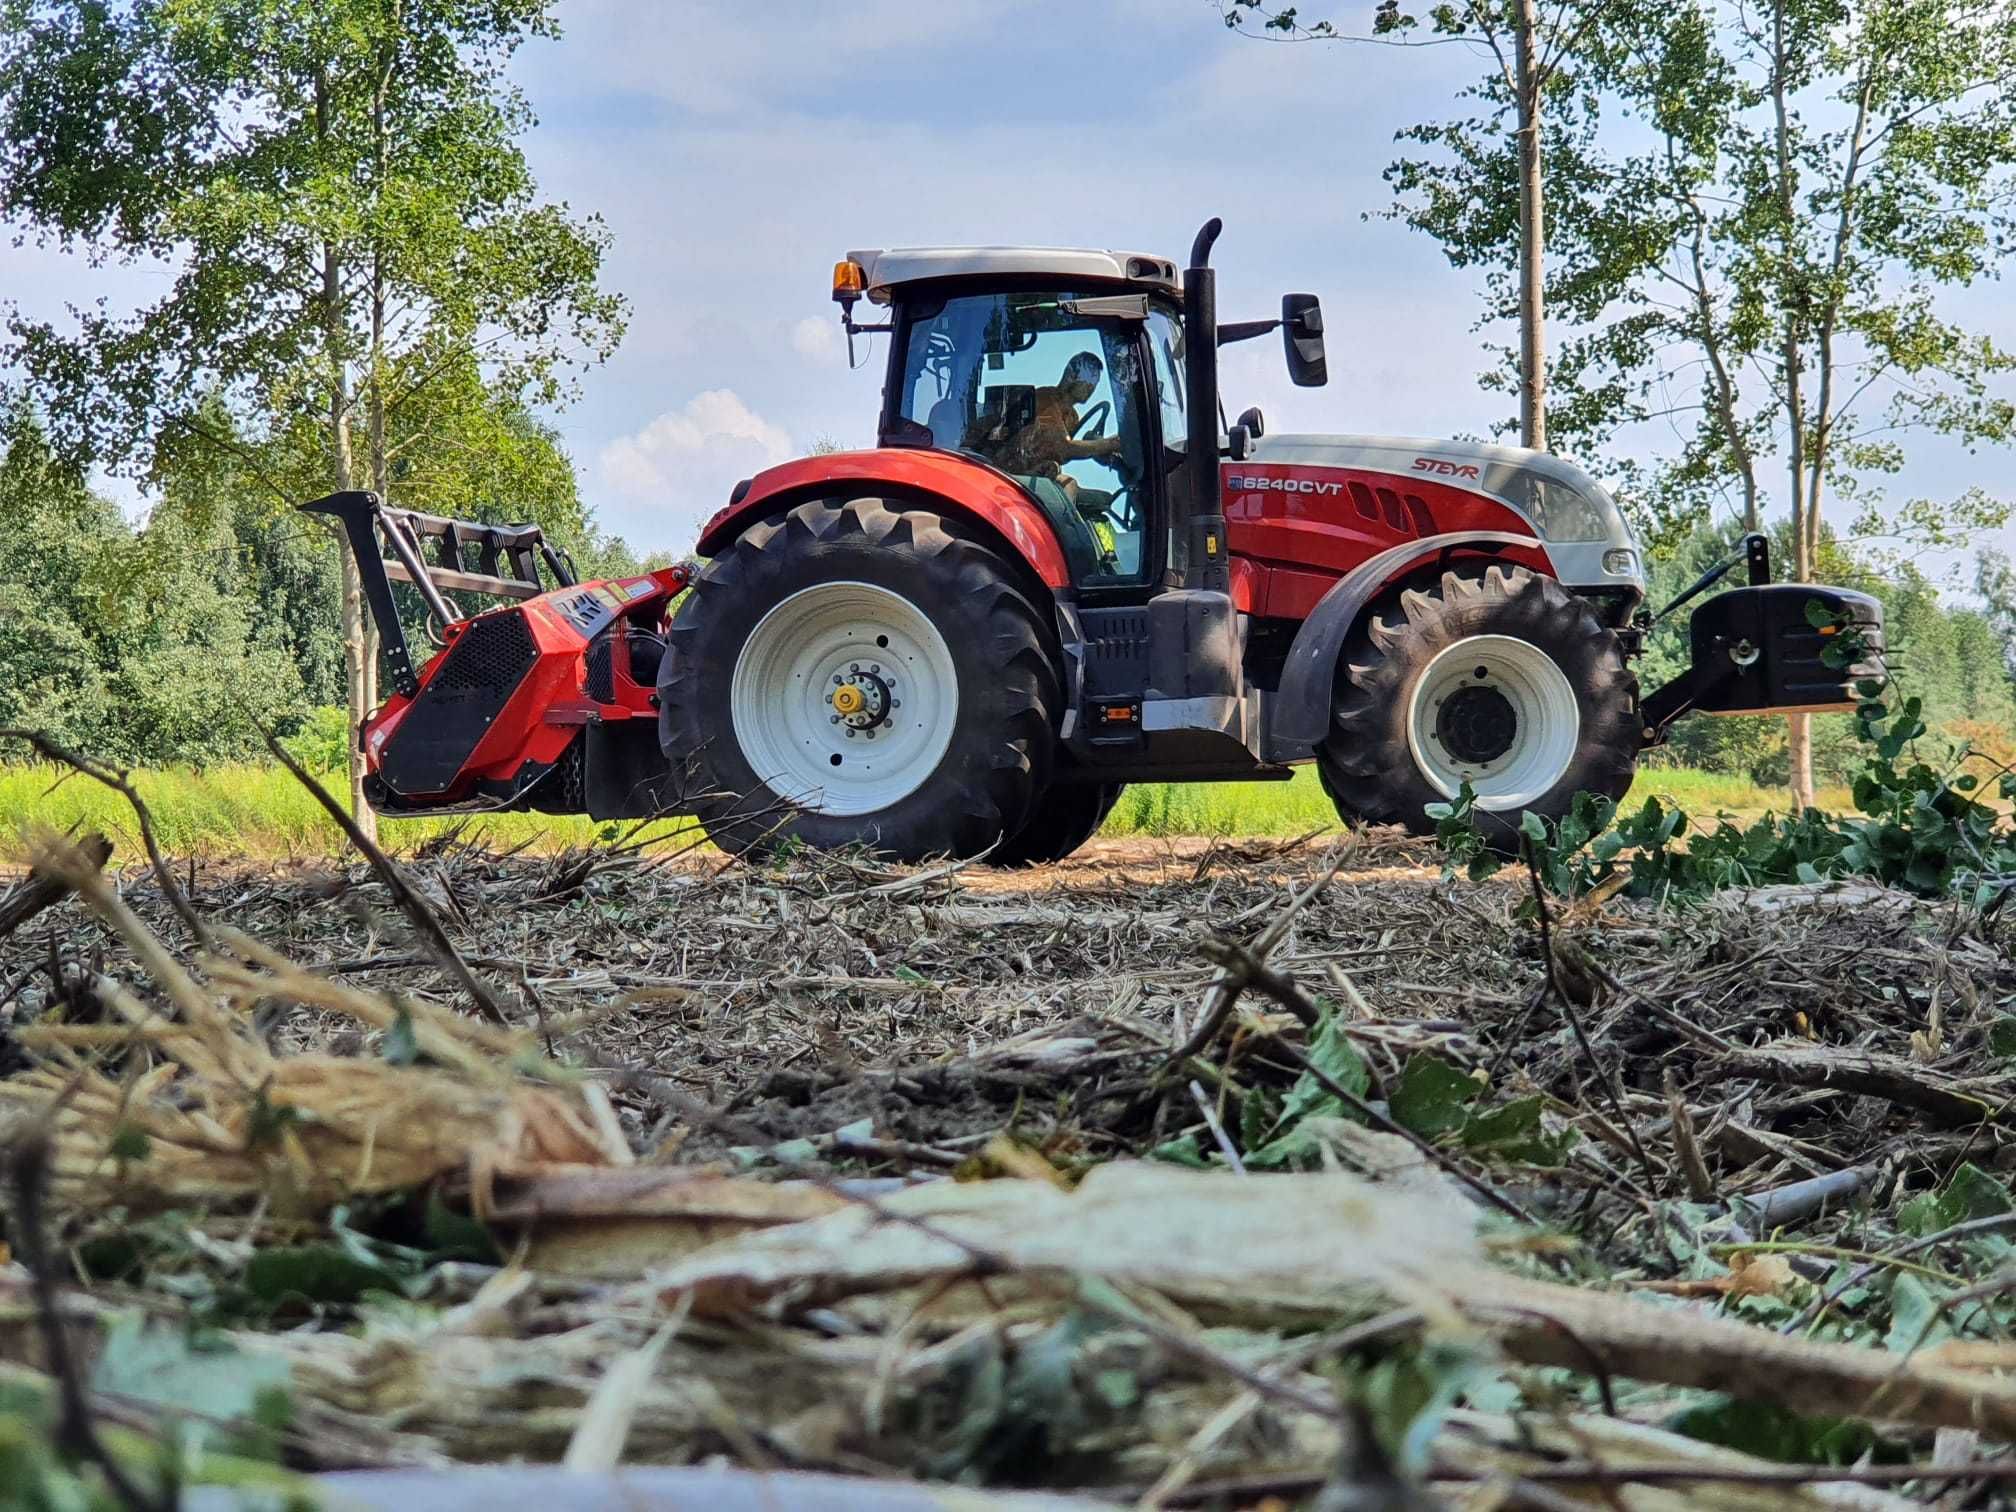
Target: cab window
1051	396
1165	343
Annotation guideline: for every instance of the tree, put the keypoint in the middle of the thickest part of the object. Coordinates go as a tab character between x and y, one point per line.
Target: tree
338	187
1760	207
55	535
133	645
1528	46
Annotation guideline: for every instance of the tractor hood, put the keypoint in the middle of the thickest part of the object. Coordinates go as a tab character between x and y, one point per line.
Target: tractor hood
1587	536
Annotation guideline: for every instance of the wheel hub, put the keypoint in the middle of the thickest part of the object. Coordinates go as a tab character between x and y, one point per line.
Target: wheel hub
1477	724
861	698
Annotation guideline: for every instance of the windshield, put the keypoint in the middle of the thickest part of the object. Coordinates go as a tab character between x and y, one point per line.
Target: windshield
1051	395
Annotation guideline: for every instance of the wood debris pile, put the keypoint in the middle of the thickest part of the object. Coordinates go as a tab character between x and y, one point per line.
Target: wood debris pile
1181	1174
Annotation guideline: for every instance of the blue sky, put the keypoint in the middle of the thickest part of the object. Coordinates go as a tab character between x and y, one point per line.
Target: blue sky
736	150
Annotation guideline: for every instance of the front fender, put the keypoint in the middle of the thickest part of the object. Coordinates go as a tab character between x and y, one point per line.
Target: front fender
961	486
1298	715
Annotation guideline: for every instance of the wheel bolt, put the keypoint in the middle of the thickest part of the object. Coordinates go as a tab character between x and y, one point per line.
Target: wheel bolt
869	733
895	703
836	681
875	668
855	667
850	732
833	719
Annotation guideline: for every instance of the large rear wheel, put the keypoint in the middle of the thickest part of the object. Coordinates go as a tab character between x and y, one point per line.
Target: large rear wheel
1064	819
1504	680
851	674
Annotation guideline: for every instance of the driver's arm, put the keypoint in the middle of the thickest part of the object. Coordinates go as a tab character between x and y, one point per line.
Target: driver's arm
1071	449
1075	450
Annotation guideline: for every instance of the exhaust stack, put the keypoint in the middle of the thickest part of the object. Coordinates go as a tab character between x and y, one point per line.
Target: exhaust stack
1205	543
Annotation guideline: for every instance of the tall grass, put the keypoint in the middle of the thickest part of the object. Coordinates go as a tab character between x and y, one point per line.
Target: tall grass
259	810
251	809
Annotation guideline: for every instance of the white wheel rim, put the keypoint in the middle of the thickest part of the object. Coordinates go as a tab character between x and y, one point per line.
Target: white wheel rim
801	654
1451	741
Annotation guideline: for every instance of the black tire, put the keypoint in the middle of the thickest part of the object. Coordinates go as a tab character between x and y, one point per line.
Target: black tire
1065	817
1366	763
1002	743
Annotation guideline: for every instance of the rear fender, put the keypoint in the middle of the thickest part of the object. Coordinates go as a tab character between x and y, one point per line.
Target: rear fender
954	486
1298	715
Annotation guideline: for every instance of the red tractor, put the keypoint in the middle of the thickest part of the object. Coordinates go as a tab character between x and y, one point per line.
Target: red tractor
1061	572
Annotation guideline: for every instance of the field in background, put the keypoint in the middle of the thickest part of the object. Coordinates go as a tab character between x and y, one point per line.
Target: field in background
260	810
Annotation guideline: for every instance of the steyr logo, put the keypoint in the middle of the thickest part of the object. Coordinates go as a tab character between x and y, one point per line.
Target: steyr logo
1281	485
1446	469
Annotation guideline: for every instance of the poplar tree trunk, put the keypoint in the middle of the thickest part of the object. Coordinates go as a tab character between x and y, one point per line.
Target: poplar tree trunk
360	640
1532	236
360	649
1798	727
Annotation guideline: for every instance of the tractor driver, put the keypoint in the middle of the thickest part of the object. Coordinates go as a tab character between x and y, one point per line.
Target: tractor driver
1046	443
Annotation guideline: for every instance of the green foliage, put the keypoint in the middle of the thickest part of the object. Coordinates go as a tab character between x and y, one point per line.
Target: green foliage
132	645
1773	1433
1432	1099
177	1371
322	739
1972	1193
306	167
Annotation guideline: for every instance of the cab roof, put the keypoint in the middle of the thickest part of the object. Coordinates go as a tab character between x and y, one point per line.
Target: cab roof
890	268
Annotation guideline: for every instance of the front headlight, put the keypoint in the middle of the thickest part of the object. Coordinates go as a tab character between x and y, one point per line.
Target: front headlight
1621	562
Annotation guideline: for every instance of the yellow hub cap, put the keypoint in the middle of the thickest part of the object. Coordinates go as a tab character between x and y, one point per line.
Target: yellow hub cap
847	700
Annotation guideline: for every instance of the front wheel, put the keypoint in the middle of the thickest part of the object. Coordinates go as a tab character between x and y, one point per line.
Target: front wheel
851	674
1504	680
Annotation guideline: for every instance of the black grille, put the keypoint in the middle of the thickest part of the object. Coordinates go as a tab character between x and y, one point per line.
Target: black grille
644	651
601	671
457	707
493	650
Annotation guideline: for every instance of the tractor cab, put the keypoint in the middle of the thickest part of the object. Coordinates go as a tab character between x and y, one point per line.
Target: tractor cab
1076	395
1073	373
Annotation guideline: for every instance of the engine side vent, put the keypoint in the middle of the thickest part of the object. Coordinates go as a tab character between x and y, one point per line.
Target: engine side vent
1362	497
495	648
1394	517
1116	651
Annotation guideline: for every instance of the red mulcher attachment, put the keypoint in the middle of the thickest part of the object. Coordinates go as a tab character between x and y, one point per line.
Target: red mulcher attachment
546	703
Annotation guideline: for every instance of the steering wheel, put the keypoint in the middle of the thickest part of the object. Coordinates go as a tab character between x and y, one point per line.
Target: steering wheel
1089	431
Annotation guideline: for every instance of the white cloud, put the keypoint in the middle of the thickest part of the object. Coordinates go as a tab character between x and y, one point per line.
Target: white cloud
666	479
819	341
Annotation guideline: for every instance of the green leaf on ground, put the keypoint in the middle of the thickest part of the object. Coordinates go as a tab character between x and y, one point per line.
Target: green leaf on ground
1772	1432
1914	1316
163	1367
1433	1097
1972	1193
1514	1131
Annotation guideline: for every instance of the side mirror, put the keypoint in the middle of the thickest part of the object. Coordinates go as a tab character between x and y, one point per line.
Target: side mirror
1238	443
1302	335
1254	422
